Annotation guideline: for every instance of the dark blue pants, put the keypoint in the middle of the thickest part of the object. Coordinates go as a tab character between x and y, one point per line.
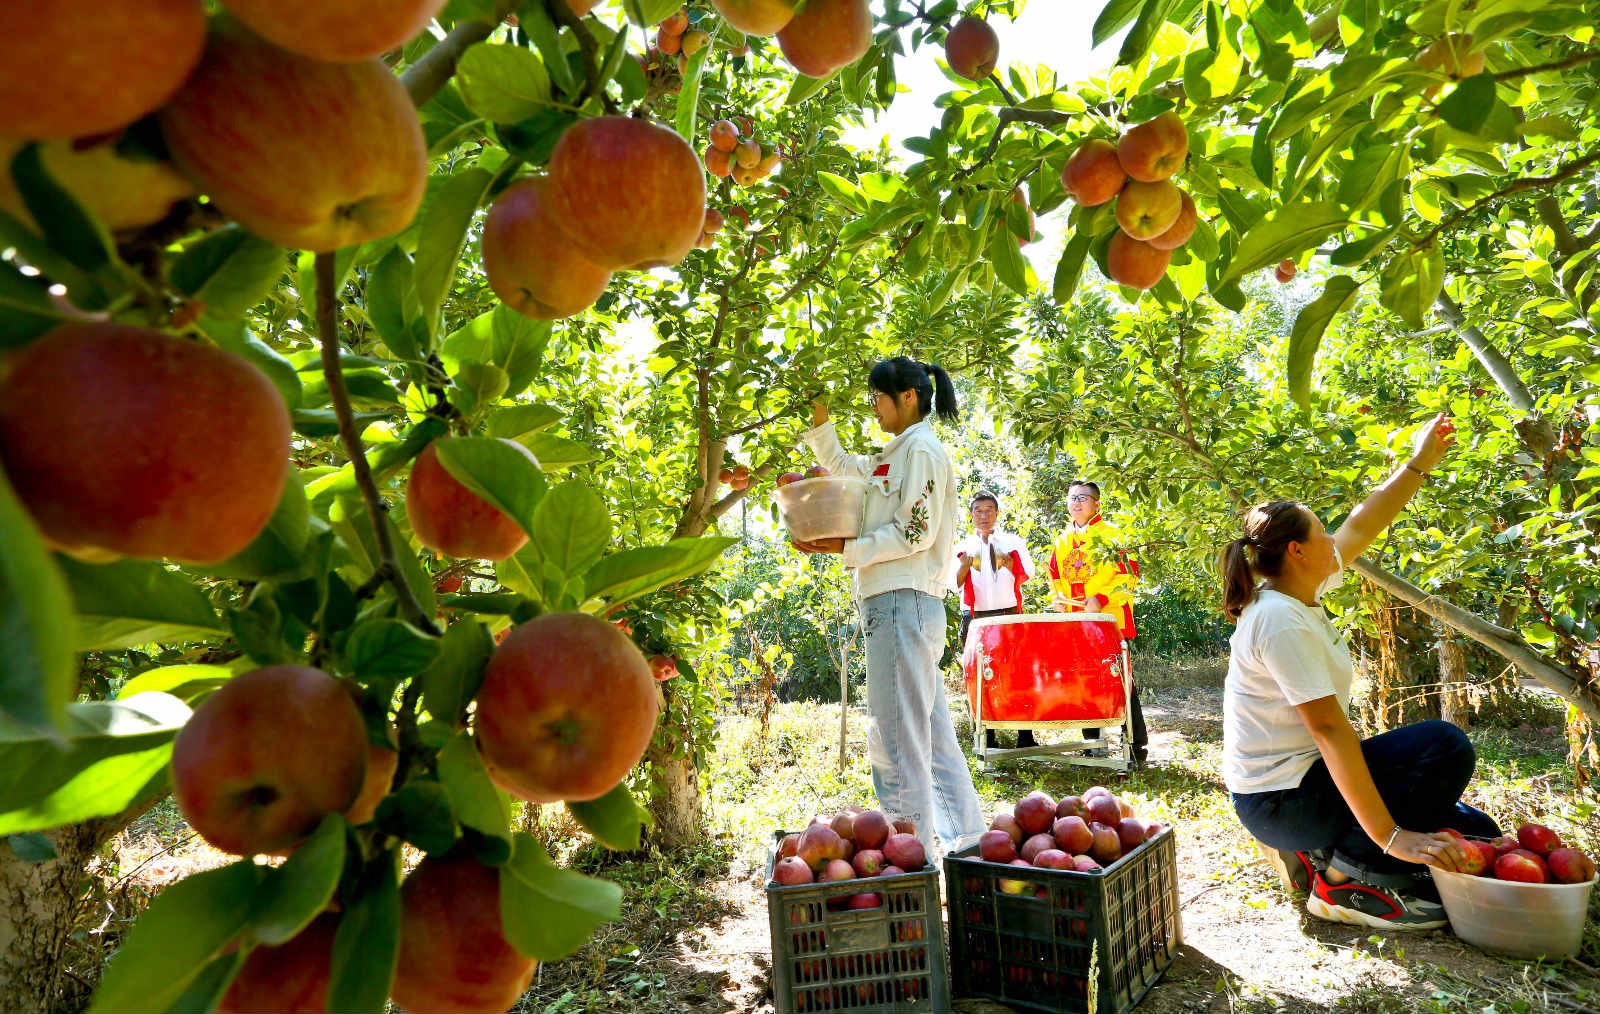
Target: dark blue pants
1420	771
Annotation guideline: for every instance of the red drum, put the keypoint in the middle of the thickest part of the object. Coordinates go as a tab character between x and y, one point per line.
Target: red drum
1064	667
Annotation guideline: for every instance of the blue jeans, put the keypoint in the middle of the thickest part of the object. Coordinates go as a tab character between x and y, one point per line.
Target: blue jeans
1420	771
918	769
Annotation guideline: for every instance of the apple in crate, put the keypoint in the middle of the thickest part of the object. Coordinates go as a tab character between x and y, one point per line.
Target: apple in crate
1033	846
872	829
1072	835
1538	838
868	863
997	846
1035	812
837	869
1569	866
868	900
1107	847
792	870
905	851
1008	823
1054	859
1522	866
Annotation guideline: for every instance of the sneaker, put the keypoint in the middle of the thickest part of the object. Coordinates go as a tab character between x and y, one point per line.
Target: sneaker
1294	869
1385	908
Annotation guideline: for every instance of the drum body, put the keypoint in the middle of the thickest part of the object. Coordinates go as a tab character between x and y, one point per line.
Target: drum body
1063	667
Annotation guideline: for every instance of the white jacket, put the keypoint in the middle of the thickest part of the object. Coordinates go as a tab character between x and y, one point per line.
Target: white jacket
908	534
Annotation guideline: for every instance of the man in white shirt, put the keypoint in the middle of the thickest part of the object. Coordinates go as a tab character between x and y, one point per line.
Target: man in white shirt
993	564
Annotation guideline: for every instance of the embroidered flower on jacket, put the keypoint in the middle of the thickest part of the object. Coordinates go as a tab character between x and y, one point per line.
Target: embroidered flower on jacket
917	527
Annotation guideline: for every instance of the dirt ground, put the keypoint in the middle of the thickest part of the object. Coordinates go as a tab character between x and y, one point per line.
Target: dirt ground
1246	946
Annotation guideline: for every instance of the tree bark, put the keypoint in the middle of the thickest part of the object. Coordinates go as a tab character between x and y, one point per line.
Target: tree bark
1508	644
1536	433
38	910
1453	700
675	806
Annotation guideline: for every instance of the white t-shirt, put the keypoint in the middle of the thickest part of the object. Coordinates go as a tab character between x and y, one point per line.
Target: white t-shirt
1283	653
994	587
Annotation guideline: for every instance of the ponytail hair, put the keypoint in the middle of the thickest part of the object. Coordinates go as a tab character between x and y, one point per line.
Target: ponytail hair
1268	530
935	392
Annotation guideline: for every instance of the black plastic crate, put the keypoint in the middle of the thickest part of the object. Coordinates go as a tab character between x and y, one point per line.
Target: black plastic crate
1032	949
826	957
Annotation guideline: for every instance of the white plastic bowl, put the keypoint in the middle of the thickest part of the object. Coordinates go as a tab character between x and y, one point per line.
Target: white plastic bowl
1522	920
827	507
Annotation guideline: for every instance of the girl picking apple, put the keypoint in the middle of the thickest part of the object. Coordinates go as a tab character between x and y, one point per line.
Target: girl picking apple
901	563
1327	805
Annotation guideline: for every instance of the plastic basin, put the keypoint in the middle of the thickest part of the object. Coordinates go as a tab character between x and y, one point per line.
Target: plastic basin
827	507
1522	920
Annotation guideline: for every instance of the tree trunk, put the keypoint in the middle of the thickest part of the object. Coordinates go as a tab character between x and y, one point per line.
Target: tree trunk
38	910
676	803
1454	706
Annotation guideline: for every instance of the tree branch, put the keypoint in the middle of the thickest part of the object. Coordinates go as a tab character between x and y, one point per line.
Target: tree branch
339	398
1505	643
1500	368
1576	60
437	66
1516	186
561	11
1550	210
1009	115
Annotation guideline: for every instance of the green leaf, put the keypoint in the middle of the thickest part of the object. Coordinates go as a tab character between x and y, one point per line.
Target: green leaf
500	471
37	670
517	420
804	87
504	338
62	221
1286	232
844	191
233	336
1358	19
366	948
547	912
280	546
1306	335
556	452
649	13
296	892
31	847
206	990
1137	42
634	572
688	108
185	926
387	647
442	223
181	681
502	83
230	271
420	813
477	803
615	819
1113	17
1469	106
1070	267
545	35
1006	257
113	752
382	460
452	681
134	602
477	386
571	527
391	301
1410	283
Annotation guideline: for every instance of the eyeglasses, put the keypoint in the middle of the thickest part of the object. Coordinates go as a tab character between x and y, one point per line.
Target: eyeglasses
872	398
1080	497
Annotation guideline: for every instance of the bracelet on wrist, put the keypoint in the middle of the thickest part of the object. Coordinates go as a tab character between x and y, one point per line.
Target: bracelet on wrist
1413	468
1392	836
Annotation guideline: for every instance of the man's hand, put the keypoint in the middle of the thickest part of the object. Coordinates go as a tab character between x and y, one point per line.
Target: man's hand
1003	561
819	545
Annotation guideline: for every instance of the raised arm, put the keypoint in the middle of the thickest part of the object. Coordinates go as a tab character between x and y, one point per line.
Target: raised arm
824	443
1385	503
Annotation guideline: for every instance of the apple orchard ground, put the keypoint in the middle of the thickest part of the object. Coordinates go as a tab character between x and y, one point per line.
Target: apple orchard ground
694	935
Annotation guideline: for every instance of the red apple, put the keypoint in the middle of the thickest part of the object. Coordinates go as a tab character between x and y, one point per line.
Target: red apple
868	863
1085	864
905	851
1503	844
1072	834
566	709
1105	809
1107	847
788	477
336	30
1035	812
306	154
1154	150
1538	839
1135	263
788	846
724	135
1072	806
1179	232
1054	859
756	17
1569	866
836	869
871	829
454	955
266	757
1008	823
890	871
1284	271
1130	832
792	870
122	441
663	667
448	517
826	35
866	900
292	976
844	825
1092	175
628	193
1146	210
528	260
972	48
75	68
819	844
817	472
997	846
1035	845
1479	857
1521	866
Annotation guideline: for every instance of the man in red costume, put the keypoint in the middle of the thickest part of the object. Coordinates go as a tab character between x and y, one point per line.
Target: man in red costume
992	565
1084	583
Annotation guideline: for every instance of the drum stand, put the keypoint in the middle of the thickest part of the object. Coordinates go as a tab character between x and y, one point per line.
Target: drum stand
1117	758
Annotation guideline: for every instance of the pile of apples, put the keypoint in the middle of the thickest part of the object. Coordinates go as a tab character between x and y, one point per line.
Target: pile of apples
1085	833
735	151
1535	855
1155	216
814	472
850	846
